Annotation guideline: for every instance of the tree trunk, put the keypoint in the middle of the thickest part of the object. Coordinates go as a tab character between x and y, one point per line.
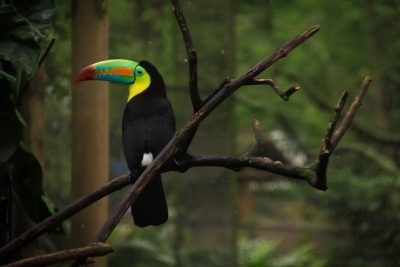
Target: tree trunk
90	106
32	110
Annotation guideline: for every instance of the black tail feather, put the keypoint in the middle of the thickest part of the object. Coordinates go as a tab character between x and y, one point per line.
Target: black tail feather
150	208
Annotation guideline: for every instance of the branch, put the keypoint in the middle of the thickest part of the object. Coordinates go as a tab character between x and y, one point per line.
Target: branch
92	250
63	214
46	52
283	94
198	117
348	118
192	59
191	54
381	138
163	156
335	132
227	87
177	147
237	163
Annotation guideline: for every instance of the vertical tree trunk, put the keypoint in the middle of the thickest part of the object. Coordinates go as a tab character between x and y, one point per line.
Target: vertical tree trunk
33	112
90	106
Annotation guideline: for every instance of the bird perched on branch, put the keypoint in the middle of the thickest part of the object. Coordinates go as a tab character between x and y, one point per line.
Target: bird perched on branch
147	126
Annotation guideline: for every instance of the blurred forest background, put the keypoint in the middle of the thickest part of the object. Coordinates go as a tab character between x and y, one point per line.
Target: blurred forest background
252	218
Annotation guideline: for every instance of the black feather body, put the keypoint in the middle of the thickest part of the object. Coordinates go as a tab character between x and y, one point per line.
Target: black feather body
148	125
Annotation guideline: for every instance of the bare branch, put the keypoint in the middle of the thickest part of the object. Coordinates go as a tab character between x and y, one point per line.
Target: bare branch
326	146
46	52
381	138
178	145
92	250
198	117
192	60
228	87
70	210
191	54
274	85
237	163
348	118
335	132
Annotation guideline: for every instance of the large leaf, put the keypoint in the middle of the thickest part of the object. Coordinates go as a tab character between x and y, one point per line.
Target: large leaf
19	40
26	176
39	12
10	128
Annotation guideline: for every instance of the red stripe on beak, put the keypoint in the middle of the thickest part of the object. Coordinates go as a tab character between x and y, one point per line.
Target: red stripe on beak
87	73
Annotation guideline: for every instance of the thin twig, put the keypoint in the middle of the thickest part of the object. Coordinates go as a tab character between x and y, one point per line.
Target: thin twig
191	54
46	52
348	118
274	85
92	250
326	146
192	60
381	138
335	132
63	214
228	87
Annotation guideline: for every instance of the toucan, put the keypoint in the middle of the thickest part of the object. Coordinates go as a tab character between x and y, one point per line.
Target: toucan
147	126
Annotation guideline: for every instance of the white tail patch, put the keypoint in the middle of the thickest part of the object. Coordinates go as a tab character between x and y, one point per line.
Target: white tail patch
147	159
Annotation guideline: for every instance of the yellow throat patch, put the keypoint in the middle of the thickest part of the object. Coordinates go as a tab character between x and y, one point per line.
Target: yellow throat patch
141	84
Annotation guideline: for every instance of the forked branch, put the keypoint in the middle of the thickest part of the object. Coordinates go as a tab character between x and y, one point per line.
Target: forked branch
337	128
284	94
314	174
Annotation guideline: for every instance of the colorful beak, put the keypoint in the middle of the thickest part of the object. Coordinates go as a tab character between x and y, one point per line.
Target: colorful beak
114	70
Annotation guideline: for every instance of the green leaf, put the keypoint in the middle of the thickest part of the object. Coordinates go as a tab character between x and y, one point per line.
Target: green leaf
26	175
20	43
39	12
7	76
26	179
10	128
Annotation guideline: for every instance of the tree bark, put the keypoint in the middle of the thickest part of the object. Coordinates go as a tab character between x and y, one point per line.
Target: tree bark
90	106
32	110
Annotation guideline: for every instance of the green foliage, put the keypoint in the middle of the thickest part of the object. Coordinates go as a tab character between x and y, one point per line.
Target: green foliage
368	206
141	247
26	32
263	253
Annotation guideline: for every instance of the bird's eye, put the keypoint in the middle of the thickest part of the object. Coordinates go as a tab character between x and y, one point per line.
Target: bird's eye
139	71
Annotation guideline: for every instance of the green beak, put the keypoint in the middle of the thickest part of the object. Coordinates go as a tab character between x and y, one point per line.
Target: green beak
113	70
